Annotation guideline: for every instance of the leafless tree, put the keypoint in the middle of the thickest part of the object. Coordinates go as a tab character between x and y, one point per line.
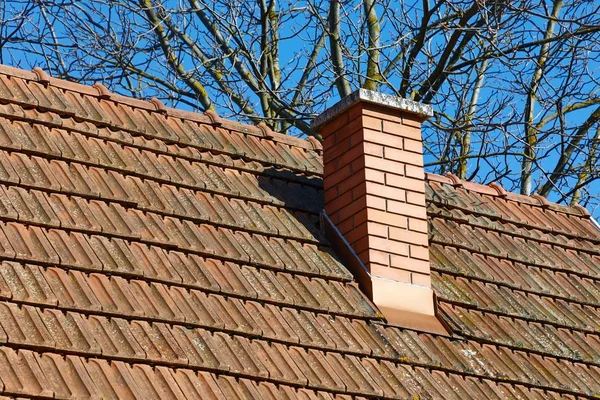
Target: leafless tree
514	82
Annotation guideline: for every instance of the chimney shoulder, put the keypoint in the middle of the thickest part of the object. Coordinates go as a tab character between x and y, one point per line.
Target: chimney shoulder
375	202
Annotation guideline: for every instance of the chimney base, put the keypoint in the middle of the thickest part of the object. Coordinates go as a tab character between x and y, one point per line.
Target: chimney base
419	309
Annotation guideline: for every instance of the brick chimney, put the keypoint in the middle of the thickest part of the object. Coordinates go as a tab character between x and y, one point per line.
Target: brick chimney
375	213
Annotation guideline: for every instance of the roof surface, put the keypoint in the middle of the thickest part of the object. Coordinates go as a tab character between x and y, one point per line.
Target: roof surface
154	253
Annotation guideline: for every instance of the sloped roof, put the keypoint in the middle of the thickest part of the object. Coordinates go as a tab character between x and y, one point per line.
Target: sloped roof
154	253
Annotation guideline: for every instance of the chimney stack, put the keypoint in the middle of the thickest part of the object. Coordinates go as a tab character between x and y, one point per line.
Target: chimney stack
375	211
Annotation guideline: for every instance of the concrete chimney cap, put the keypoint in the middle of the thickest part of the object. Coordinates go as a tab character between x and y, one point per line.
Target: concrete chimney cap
370	96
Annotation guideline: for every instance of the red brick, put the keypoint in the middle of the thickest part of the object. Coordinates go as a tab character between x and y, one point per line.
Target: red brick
419	252
377	229
413	145
339	202
334	124
370	228
356	138
421	279
350	171
394	128
357	164
356	233
344	159
411	120
330	168
415	198
371	123
374	185
409	210
335	150
404	156
383	217
373	149
361	217
417	225
410	264
387	192
361	245
351	209
329	142
405	183
349	130
379	257
377	203
414	172
384	139
356	111
390	246
356	180
381	112
401	130
335	218
364	260
333	179
391	273
372	175
383	164
376	243
406	236
359	190
331	193
344	226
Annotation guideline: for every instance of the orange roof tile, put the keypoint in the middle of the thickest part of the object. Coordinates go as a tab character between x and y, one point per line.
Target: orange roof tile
150	253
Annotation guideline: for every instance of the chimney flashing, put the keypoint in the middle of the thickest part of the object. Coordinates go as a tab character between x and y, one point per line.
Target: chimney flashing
419	311
421	110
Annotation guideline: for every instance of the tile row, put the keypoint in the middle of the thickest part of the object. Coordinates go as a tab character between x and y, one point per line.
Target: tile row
92	253
130	298
472	357
519	214
528	336
67	180
446	232
529	278
137	298
174	345
53	121
168	344
491	298
155	125
119	297
192	172
556	238
108	222
50	375
495	191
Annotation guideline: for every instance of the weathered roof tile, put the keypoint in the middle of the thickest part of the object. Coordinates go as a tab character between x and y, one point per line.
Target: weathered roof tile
110	207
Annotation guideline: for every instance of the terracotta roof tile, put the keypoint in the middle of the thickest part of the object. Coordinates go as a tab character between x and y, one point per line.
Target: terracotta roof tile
154	253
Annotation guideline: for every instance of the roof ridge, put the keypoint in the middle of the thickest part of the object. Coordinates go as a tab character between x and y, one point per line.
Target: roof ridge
494	189
154	105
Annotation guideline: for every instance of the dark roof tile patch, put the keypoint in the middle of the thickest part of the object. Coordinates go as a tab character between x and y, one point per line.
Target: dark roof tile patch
147	252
